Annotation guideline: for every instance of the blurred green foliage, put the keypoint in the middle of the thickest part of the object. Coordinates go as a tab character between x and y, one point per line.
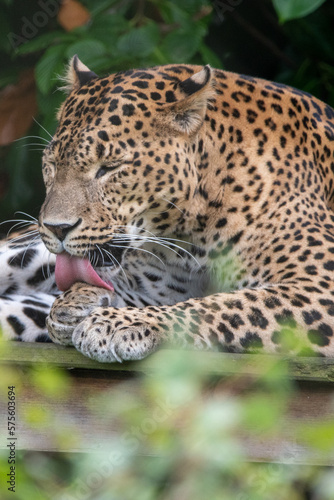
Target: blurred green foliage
119	35
181	436
294	9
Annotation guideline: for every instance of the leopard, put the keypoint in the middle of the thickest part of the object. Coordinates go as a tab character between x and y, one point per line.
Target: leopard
185	206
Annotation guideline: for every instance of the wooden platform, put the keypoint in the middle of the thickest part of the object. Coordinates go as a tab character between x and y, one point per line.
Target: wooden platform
74	409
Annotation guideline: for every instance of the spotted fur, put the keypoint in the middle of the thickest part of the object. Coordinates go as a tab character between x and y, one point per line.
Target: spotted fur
206	198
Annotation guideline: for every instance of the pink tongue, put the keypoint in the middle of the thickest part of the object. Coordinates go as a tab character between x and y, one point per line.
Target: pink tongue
71	269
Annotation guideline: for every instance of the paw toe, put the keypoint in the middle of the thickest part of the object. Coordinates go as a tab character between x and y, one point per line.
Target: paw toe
59	332
91	341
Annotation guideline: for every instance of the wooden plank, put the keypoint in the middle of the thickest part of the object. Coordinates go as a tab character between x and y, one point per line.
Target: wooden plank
72	426
72	422
303	368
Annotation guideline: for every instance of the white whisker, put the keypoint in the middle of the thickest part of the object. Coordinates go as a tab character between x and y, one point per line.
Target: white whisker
149	240
17	240
31	243
139	249
22	222
42	128
21	225
32	144
167	238
156	240
86	254
24	235
113	259
48	270
96	257
32	137
173	204
26	215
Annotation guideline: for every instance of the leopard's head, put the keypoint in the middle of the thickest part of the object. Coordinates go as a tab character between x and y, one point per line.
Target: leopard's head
122	164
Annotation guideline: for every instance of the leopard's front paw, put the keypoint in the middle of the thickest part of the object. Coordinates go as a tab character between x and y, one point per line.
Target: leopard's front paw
109	335
70	308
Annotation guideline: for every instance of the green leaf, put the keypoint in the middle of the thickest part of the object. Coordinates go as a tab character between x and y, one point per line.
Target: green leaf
88	51
8	75
4	25
52	383
48	67
18	164
173	13
43	42
37	416
139	42
107	29
180	46
48	106
209	57
294	9
318	435
182	13
192	6
262	413
96	8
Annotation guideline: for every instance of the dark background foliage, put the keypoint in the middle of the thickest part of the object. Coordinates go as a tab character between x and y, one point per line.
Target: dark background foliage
282	40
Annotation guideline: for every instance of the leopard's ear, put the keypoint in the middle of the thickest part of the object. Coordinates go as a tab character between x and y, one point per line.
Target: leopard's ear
77	75
187	114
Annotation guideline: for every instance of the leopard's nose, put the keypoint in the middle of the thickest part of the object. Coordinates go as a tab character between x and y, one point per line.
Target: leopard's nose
61	230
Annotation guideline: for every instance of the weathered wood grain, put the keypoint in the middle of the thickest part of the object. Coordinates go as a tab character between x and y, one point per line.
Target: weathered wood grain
302	368
73	423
